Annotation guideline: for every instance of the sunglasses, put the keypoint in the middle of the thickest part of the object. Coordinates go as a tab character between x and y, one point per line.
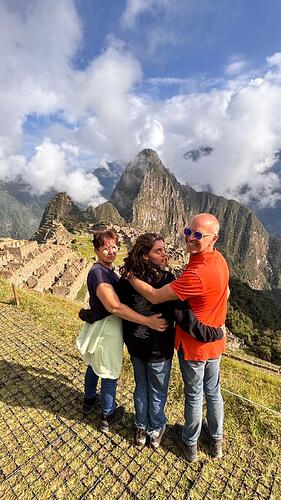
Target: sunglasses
197	234
109	248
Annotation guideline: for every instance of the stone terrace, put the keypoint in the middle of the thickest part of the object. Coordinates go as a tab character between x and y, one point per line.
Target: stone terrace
43	267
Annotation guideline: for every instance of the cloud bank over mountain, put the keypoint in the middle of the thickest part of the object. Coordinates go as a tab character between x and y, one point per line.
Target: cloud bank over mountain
60	119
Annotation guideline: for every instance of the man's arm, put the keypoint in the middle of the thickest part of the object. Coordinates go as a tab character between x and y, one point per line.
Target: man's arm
112	304
187	320
153	295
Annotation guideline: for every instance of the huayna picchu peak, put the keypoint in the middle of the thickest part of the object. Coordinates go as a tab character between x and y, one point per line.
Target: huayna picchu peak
149	198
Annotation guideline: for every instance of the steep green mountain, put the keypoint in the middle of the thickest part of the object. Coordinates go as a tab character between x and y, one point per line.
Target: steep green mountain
256	319
20	209
105	212
148	197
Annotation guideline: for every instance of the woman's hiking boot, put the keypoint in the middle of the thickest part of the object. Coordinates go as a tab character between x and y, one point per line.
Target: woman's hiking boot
109	421
89	404
140	436
156	437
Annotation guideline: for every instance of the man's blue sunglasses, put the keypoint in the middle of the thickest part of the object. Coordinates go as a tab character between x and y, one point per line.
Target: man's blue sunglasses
197	234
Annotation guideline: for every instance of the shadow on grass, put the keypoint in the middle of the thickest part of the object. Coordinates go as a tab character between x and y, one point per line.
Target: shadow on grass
33	387
10	302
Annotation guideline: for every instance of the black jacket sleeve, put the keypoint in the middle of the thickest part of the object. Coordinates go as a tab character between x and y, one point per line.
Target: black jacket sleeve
187	320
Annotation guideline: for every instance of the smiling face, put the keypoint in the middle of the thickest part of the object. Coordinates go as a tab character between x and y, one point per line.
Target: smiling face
206	224
157	255
106	254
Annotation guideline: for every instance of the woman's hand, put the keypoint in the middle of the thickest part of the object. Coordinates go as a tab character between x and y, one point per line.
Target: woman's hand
156	322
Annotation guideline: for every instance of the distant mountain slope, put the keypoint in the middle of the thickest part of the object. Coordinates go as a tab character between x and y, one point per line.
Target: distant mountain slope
20	210
149	197
108	176
255	318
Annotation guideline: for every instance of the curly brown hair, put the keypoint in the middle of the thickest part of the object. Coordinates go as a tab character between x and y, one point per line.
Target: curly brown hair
136	265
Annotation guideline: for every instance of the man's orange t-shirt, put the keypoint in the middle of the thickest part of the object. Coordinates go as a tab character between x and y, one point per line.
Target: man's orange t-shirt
204	283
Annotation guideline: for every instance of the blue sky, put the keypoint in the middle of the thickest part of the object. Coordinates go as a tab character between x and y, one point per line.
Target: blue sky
90	81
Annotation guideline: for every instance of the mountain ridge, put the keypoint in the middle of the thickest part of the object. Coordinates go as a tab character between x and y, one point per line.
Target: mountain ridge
149	198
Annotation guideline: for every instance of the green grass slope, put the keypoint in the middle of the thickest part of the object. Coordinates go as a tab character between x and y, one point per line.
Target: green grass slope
249	468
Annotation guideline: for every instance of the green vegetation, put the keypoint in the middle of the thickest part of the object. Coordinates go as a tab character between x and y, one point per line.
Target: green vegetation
255	318
56	315
81	295
84	246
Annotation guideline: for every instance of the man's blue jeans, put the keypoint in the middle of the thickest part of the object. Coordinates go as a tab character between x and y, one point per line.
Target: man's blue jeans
201	377
150	395
108	391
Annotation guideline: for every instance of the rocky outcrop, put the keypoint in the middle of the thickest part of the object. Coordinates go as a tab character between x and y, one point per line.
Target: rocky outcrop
62	209
106	213
52	231
149	197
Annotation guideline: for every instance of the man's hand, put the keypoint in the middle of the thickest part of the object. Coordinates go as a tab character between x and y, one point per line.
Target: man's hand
156	322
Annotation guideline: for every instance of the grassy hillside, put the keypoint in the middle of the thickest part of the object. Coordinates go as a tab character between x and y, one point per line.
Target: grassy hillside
252	432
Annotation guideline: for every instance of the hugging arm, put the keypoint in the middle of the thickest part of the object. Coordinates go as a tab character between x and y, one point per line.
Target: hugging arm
187	320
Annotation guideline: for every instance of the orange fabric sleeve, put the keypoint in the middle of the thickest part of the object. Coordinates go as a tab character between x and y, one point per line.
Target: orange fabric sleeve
187	285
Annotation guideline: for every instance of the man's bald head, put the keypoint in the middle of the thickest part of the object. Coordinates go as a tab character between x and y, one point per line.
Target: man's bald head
203	235
208	221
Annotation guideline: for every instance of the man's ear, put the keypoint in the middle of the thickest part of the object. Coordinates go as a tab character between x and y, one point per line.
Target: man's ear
145	257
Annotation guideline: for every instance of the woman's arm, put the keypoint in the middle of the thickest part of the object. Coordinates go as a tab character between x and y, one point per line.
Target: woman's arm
112	304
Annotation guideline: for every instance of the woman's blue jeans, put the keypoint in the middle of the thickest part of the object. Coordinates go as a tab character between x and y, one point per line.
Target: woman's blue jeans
108	391
150	395
201	377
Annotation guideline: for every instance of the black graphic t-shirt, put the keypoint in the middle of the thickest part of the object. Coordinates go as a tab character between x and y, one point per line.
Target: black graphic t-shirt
141	341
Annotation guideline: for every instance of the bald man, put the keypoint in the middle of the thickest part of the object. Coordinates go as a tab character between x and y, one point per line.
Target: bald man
204	284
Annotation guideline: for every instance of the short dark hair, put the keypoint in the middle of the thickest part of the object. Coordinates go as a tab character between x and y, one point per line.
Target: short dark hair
100	237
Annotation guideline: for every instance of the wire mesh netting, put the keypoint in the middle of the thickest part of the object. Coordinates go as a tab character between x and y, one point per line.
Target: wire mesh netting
49	450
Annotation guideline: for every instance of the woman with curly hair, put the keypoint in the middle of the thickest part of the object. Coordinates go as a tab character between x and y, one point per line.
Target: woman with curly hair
151	352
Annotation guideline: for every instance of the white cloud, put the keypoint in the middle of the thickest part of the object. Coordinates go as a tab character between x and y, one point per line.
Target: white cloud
235	66
54	166
274	60
103	117
134	8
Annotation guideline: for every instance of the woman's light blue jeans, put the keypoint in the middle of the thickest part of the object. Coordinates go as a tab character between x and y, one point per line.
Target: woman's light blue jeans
150	395
201	377
107	393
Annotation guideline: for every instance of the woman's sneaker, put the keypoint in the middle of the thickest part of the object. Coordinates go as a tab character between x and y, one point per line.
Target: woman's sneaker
140	436
108	421
156	437
89	404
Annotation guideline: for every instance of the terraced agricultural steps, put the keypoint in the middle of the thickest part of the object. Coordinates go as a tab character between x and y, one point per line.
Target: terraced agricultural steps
49	450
